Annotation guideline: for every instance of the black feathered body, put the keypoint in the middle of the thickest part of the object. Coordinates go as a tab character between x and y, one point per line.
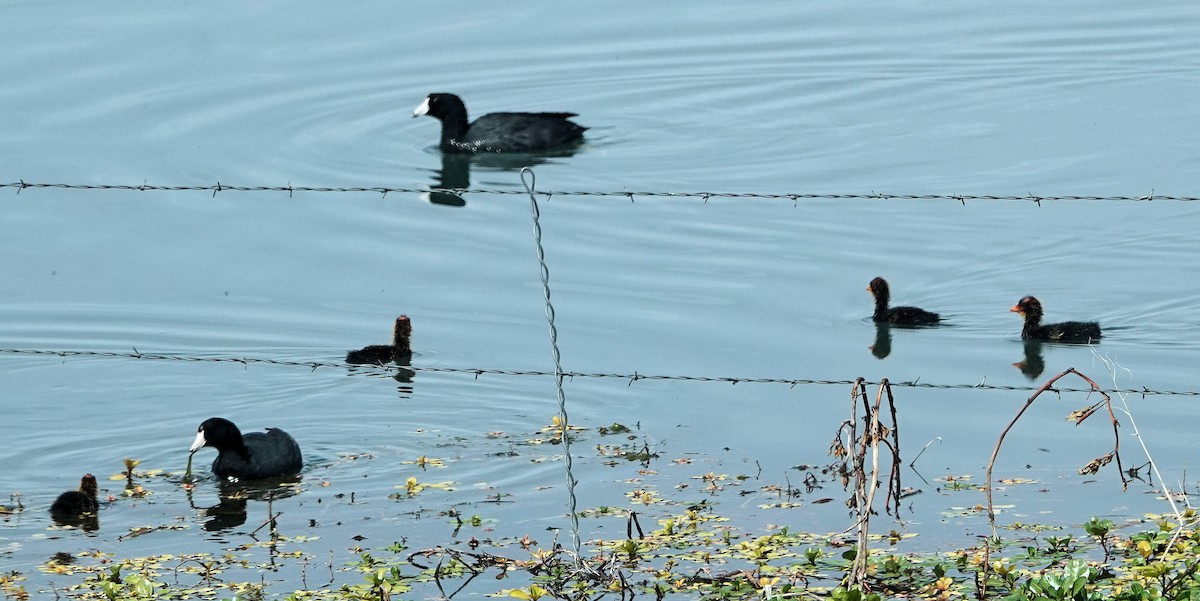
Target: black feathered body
906	316
375	354
74	503
253	456
900	316
399	351
516	132
1067	331
1077	332
269	454
499	132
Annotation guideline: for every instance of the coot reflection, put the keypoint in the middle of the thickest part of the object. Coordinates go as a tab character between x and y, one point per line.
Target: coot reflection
883	340
233	501
1033	365
454	177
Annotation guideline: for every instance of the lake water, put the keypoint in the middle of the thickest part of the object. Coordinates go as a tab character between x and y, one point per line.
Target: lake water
929	98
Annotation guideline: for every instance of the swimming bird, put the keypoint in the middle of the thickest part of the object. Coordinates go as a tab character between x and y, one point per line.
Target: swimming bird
498	132
1068	331
74	503
399	350
901	316
252	456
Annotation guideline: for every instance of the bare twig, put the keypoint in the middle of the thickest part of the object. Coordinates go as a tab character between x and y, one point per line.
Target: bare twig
1080	416
864	483
1093	466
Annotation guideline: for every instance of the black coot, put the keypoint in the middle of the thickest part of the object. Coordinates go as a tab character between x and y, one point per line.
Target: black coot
1068	331
399	350
901	316
256	455
74	503
498	132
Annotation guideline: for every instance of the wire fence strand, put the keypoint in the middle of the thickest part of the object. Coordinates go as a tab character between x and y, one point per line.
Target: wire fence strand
629	378
292	190
529	180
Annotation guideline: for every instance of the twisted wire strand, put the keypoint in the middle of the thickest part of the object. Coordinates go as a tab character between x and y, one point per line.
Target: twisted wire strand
530	184
629	378
631	195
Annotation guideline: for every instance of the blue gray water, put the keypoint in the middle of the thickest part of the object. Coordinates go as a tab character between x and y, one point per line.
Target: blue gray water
767	97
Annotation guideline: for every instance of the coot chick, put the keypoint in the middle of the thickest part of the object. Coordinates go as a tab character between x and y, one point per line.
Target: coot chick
498	132
1068	331
901	316
74	503
399	350
253	456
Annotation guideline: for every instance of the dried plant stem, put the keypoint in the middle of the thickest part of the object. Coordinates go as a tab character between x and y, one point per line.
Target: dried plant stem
865	483
1078	417
1181	522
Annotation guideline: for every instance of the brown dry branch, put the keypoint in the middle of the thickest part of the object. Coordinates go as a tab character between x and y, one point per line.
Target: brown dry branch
1092	467
558	571
895	490
853	457
1076	416
475	563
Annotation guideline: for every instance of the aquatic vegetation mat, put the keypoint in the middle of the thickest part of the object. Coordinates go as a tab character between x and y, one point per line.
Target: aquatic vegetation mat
674	525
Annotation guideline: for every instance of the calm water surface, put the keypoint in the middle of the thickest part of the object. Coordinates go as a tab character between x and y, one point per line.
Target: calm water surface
932	98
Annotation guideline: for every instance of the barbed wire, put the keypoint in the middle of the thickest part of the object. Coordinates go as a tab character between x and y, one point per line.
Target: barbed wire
630	379
631	195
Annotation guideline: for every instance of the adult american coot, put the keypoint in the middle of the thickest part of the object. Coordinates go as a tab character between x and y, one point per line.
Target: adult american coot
901	316
498	132
399	350
74	503
1068	331
252	456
